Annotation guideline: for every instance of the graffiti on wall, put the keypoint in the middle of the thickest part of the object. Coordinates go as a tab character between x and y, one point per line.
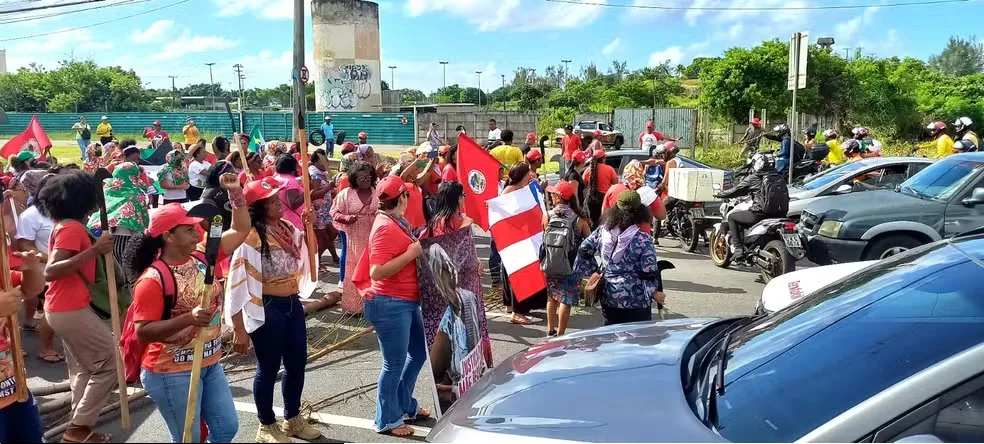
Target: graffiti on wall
342	87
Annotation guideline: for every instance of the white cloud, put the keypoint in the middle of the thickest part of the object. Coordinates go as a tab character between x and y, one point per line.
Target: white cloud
156	32
674	54
846	31
187	43
612	47
736	30
264	9
519	15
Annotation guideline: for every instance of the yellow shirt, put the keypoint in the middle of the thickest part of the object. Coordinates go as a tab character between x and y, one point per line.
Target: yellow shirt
944	146
104	129
836	155
191	134
508	156
973	138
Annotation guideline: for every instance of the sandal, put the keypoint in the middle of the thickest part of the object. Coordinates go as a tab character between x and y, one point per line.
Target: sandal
422	413
92	437
403	431
521	321
30	327
51	357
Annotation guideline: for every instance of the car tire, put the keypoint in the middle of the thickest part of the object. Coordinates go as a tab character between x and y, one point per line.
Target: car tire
889	246
619	141
786	260
317	137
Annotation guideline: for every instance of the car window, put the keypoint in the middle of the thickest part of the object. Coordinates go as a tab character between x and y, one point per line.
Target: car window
942	179
588	125
887	177
793	371
960	421
604	127
831	175
916	168
615	162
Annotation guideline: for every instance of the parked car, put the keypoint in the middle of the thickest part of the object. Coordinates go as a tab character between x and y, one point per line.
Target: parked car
862	175
783	290
891	353
610	136
944	199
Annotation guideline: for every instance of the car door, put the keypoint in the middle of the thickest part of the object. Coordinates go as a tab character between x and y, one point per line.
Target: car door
958	217
956	415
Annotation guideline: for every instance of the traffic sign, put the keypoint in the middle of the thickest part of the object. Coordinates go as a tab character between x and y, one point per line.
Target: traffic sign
305	75
798	51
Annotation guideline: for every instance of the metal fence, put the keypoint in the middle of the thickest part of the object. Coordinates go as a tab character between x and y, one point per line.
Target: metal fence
383	128
672	122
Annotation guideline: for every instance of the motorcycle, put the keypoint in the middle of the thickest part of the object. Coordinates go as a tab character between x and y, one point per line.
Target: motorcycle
689	222
772	245
810	165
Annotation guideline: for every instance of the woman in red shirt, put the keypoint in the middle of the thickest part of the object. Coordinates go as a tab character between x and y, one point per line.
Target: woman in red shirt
599	177
68	199
393	308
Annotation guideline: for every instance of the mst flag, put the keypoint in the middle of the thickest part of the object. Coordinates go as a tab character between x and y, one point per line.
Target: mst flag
256	141
516	222
478	171
33	139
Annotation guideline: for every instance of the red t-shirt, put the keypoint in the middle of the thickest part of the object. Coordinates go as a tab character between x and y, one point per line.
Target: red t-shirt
70	292
659	136
210	158
605	176
415	207
611	196
449	174
8	392
343	182
571	144
387	240
242	176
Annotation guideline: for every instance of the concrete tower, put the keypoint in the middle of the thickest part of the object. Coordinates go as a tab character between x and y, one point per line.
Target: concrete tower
346	70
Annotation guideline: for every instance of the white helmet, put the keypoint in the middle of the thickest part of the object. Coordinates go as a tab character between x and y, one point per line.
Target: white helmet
658	150
962	123
830	134
760	162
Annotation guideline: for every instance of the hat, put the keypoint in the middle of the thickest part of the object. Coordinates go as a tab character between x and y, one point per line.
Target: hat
597	133
650	124
531	136
391	187
569	127
534	155
327	117
167	217
261	189
363	135
23	156
562	188
578	156
628	200
104	118
157	122
424	148
348	147
598	154
756	121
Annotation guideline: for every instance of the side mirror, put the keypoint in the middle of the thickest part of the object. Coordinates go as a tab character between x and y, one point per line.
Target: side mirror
925	439
976	197
844	189
716	186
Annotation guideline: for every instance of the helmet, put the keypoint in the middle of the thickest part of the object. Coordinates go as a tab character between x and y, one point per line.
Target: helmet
851	146
860	132
830	134
781	129
760	162
658	150
936	128
363	135
964	146
962	123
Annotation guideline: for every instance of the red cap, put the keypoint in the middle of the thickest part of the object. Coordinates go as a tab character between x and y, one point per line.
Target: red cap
650	124
363	135
391	187
261	189
578	156
597	133
157	122
534	155
348	147
562	188
598	154
167	217
531	136
756	121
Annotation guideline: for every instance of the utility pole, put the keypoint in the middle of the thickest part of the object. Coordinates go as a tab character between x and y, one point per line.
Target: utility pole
444	65
503	91
479	88
174	92
241	76
847	53
300	136
392	77
211	84
566	72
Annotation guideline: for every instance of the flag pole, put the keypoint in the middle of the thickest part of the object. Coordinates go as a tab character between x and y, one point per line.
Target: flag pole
300	134
13	323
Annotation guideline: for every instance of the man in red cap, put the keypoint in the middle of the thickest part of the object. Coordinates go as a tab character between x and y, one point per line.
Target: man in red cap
752	137
650	137
570	143
156	131
529	144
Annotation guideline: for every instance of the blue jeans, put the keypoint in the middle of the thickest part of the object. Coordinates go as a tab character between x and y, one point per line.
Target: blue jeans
169	391
781	163
495	262
82	145
282	338
400	331
21	422
341	259
330	147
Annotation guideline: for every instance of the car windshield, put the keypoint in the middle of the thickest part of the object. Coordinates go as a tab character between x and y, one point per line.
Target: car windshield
795	370
831	175
588	125
942	179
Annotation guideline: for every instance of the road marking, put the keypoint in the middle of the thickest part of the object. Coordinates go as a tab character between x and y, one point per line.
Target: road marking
330	419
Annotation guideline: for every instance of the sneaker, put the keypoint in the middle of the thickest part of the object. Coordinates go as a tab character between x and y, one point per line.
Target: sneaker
297	427
551	333
271	434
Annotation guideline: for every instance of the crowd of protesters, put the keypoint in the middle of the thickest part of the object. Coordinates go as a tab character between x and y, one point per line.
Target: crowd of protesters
375	207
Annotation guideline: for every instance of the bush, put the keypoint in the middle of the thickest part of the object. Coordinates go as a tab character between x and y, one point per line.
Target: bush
554	118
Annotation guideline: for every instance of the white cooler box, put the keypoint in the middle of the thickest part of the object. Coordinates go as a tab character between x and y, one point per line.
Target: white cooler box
695	184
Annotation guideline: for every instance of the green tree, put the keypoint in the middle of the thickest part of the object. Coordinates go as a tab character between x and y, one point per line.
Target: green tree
960	57
413	96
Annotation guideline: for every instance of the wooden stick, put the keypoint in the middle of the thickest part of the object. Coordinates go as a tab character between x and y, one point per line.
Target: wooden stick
13	322
61	428
114	313
321	353
52	389
308	226
242	157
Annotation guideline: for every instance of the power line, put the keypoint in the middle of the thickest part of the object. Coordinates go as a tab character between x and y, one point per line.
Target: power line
759	8
91	25
61	13
56	5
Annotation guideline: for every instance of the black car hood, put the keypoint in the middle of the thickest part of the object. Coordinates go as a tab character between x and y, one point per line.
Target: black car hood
613	384
882	204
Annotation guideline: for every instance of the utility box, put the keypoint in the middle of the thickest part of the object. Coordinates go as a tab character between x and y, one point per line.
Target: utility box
695	184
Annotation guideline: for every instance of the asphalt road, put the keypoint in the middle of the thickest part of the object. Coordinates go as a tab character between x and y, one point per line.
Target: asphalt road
340	387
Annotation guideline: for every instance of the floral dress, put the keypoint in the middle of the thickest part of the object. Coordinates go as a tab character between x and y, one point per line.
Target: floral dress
566	290
322	207
348	203
174	169
126	199
630	268
93	161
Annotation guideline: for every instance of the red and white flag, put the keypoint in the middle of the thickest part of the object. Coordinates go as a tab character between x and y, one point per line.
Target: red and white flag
516	222
33	139
478	171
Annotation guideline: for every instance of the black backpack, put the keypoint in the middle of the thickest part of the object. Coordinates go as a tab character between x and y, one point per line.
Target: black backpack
559	247
774	196
86	134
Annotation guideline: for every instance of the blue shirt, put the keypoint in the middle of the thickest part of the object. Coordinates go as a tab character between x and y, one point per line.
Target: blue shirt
784	148
329	131
626	282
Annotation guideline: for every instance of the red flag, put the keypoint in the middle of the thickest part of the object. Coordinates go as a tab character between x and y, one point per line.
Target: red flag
478	171
517	229
35	133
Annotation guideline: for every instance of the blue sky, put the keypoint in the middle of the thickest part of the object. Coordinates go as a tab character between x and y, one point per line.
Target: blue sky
493	36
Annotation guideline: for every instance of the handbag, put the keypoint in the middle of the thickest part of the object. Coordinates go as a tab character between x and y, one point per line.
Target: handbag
594	289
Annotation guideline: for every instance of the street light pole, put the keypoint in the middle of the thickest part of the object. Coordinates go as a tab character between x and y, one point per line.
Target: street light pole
444	66
392	77
211	83
566	72
174	92
503	91
479	88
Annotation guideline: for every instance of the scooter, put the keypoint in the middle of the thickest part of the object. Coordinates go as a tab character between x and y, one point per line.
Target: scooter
689	222
772	245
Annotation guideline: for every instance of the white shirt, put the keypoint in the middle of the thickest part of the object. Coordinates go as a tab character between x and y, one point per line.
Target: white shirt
197	173
35	227
649	141
495	134
174	194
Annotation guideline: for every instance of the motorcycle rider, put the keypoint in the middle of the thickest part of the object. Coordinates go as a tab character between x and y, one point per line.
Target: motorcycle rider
964	146
770	198
790	151
944	144
963	132
836	154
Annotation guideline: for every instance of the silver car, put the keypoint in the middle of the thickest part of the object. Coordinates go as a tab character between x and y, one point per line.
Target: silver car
861	175
894	352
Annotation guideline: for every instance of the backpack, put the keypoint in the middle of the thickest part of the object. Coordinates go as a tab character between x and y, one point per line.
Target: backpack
774	196
654	176
86	134
133	349
559	247
99	287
